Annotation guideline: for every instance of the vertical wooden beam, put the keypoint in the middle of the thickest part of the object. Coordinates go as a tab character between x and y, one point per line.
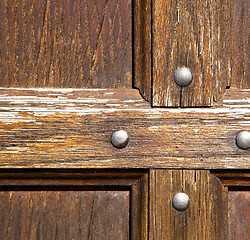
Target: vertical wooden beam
142	47
168	223
194	34
164	47
240	44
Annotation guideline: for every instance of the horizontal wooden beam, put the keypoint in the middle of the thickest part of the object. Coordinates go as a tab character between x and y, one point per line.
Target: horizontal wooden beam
71	128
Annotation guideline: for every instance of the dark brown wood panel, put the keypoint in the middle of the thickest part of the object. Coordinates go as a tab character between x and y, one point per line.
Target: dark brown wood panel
219	209
168	223
230	199
195	34
240	44
69	128
142	47
239	215
64	215
66	43
74	204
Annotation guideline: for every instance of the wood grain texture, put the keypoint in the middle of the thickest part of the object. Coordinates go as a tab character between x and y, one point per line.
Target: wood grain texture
72	128
219	209
240	44
64	215
142	47
234	178
71	204
194	34
168	223
239	215
66	43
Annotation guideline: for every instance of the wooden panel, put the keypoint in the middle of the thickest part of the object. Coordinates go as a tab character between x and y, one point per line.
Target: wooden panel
240	44
72	128
66	43
168	223
142	47
239	215
234	178
219	209
64	215
77	204
194	34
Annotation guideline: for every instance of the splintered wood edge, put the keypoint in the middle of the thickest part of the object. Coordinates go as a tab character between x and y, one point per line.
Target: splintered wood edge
71	128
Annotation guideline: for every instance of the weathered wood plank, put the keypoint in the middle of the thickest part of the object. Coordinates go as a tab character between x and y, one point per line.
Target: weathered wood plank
194	34
66	43
168	223
240	44
72	128
142	47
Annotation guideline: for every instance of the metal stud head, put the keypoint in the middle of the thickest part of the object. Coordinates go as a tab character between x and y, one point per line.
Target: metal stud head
243	140
119	139
183	76
181	201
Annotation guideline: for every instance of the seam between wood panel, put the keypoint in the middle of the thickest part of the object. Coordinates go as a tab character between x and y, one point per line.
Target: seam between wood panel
152	51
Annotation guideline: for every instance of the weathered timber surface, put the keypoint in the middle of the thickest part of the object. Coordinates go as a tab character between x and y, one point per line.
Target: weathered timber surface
142	47
71	128
240	44
63	43
64	214
166	223
239	215
209	37
67	204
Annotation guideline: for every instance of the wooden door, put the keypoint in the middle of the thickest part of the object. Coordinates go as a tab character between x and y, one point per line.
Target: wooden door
74	72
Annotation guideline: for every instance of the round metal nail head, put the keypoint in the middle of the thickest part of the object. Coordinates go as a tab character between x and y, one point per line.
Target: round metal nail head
243	140
183	76
181	201
119	139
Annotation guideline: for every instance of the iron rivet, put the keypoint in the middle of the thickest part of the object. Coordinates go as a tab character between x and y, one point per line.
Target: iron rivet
183	76
119	139
243	140
180	201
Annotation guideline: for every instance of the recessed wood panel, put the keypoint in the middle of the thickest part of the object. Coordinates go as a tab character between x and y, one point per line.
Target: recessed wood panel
64	215
239	214
73	204
66	43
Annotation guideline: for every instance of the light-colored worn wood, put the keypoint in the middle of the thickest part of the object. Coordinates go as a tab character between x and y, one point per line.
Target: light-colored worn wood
72	128
64	43
168	223
195	34
240	44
